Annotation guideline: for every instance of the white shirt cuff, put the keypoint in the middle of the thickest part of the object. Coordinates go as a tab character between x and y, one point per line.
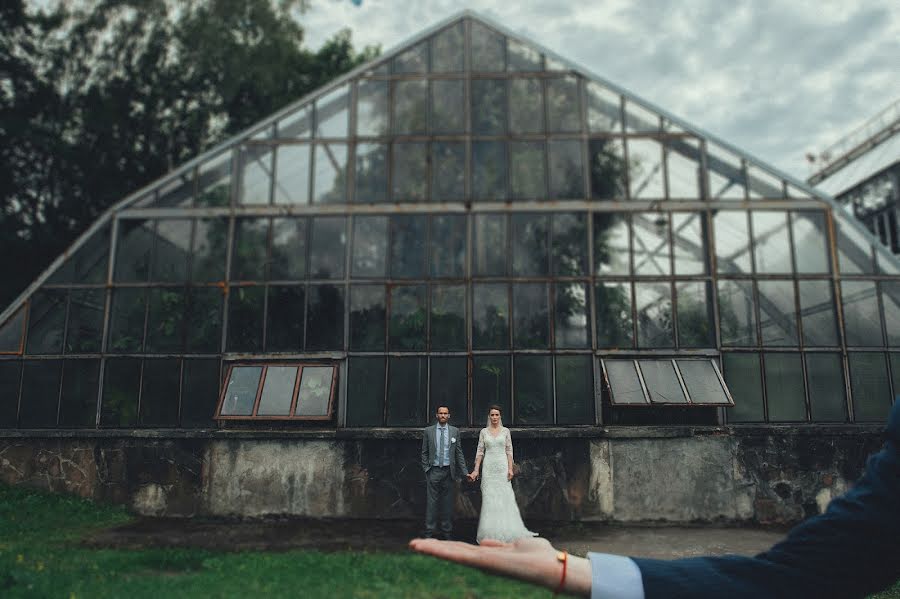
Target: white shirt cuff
615	577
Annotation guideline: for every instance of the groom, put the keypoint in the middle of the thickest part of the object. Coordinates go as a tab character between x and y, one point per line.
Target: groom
444	465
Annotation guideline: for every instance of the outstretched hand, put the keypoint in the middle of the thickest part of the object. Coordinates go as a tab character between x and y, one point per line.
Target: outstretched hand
532	560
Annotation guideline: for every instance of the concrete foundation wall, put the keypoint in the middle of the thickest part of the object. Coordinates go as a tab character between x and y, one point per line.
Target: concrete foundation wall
764	475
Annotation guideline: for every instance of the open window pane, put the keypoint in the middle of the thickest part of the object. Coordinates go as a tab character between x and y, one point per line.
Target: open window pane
325	317
570	310
530	241
784	387
365	391
10	372
448	245
407	325
314	396
289	240
574	389
448	317
870	387
531	327
407	391
534	389
662	381
827	397
817	313
46	322
370	237
624	383
614	322
278	391
199	392
284	324
121	388
40	393
704	385
490	386
742	375
159	393
450	388
240	391
245	319
408	250
490	315
367	317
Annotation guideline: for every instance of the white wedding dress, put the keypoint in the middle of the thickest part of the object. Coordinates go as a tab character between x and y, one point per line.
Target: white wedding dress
500	518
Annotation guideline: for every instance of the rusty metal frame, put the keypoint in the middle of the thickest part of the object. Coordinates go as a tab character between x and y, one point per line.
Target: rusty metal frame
295	398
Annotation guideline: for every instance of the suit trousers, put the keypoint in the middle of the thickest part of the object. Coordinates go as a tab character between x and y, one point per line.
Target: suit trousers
439	500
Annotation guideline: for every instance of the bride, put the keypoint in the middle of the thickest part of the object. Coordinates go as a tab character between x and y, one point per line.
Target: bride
500	518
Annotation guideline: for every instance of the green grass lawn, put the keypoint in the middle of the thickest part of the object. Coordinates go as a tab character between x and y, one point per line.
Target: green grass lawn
41	556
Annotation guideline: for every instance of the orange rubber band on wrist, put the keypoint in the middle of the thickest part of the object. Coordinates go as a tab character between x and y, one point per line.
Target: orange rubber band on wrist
562	556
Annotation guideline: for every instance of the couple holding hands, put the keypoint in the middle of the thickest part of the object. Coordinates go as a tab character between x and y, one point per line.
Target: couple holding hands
444	464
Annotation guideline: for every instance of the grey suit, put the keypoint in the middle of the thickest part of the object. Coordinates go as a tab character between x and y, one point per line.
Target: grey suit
440	482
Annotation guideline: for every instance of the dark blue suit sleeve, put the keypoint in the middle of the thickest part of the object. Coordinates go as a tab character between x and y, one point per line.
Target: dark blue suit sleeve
851	550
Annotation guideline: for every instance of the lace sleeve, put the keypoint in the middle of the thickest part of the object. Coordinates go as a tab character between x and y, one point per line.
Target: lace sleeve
509	451
480	452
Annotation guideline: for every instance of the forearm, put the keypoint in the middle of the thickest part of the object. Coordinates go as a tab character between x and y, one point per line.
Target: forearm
477	465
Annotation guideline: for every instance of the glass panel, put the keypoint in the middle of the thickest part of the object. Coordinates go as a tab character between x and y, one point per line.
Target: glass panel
566	171
732	242
726	174
695	320
854	250
410	106
488	49
214	181
490	315
199	392
204	320
448	171
165	320
662	382
331	113
240	392
121	388
288	261
367	317
278	391
330	174
810	247
702	382
569	255
450	387
408	250
448	317
817	313
624	384
870	387
296	124
371	173
827	397
604	109
292	168
314	397
85	325
639	119
9	392
490	386
683	168
40	393
490	245
771	246
890	298
688	235
414	60
448	245
737	317
407	391
862	322
248	255
488	170
563	107
448	102
526	106
488	106
521	57
571	315
11	337
89	262
46	322
761	184
208	261
372	116
178	192
574	389
777	313
651	243
528	178
245	319
325	317
410	180
370	235
170	254
534	390
327	246
133	249
614	322
529	244
612	238
447	50
126	321
256	174
531	311
645	169
654	315
284	326
606	160
741	373
159	395
887	262
365	391
407	325
784	388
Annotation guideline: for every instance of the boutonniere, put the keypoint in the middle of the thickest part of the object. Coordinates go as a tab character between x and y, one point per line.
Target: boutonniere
453	439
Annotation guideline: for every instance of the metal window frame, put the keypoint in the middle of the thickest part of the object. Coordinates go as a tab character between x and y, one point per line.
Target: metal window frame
295	396
673	360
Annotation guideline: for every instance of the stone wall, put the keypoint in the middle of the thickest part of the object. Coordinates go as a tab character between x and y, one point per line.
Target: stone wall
717	474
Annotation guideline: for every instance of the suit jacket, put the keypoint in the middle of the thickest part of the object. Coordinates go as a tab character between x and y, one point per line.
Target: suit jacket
458	467
851	550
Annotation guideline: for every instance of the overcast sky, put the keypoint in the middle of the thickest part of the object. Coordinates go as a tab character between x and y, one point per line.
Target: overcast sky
776	79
